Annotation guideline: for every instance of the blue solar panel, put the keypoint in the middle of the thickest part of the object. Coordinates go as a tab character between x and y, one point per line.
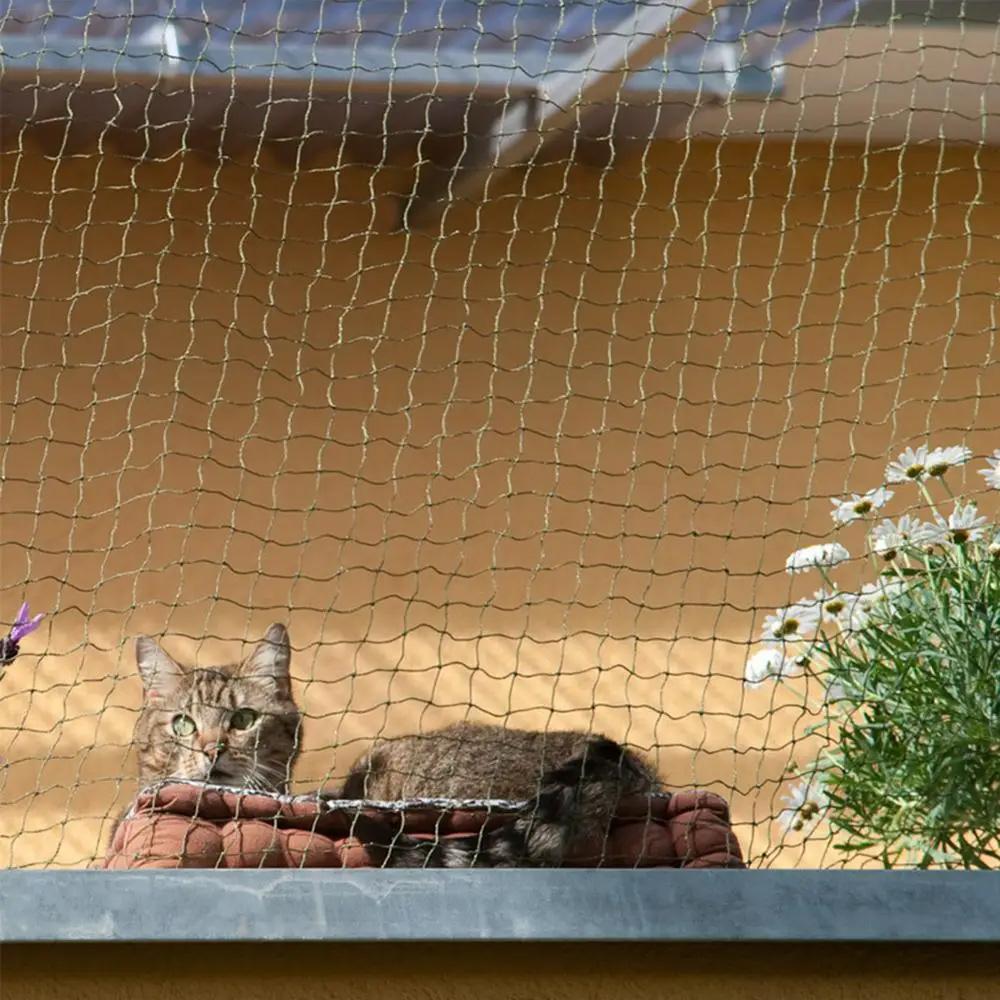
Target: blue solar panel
508	43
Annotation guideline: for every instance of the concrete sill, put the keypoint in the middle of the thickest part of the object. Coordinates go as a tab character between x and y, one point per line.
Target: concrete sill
499	905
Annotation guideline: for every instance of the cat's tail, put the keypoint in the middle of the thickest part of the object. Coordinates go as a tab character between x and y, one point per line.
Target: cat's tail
573	809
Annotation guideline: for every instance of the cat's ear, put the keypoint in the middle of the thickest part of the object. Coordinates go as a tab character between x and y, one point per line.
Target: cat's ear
271	657
161	676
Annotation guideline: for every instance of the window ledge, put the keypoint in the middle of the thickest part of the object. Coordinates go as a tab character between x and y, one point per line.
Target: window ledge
498	905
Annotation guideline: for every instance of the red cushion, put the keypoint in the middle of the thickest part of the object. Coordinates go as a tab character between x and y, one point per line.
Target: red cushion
189	826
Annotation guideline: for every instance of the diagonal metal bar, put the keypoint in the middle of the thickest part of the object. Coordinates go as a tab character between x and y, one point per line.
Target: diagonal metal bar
524	126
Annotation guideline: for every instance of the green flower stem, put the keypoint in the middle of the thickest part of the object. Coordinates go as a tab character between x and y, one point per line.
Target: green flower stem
947	488
927	496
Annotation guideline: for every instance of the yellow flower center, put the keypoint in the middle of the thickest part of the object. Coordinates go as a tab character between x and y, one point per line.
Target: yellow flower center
787	627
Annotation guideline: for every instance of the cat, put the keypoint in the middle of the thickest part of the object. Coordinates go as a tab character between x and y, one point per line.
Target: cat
570	783
232	725
239	726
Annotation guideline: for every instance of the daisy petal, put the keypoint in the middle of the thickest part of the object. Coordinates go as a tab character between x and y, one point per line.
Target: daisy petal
815	556
992	473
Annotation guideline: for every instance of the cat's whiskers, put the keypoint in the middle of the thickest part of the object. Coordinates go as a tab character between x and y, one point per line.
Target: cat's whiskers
260	776
270	769
265	783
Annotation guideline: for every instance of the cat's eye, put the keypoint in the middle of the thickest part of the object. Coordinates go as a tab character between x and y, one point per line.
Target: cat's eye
243	718
183	725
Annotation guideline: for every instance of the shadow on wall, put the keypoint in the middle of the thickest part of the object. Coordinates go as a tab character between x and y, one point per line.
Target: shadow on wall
547	470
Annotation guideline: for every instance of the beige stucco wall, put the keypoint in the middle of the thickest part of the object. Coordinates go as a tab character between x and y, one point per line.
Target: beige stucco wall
499	972
546	468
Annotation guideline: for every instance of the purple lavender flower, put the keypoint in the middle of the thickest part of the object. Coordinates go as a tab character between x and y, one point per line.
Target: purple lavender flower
23	625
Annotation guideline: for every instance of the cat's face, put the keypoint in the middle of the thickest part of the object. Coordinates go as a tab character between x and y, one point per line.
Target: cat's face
232	725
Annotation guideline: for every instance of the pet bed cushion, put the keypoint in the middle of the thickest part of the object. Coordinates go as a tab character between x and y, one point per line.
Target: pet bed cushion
180	825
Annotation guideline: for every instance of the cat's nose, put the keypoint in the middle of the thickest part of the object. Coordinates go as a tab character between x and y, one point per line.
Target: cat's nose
211	744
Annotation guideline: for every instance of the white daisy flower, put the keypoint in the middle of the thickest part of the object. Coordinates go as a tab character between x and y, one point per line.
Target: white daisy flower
833	603
911	466
886	539
857	505
791	624
925	535
858	607
889	537
940	460
814	556
772	662
805	804
856	614
807	610
826	605
963	525
992	474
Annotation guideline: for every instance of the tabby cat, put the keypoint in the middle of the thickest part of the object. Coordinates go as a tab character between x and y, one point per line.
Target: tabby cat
229	725
238	725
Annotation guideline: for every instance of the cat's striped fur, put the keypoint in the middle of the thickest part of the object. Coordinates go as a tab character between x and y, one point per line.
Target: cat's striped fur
571	783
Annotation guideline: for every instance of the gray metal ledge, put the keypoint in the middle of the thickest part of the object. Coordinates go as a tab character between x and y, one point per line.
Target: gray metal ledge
492	905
